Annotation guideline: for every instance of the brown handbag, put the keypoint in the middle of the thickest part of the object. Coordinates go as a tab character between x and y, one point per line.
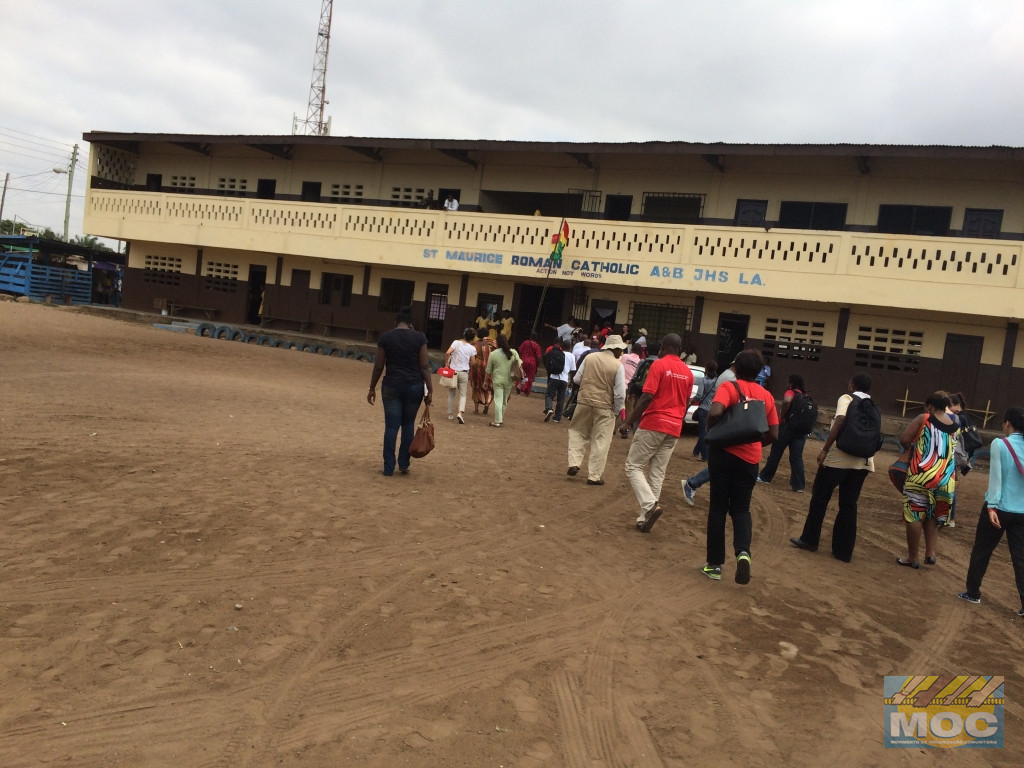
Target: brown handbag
423	441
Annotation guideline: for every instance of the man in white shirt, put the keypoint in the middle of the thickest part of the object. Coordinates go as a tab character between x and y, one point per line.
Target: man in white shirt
558	383
451	204
565	330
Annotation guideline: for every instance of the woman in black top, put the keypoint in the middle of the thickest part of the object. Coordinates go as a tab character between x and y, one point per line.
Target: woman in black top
403	351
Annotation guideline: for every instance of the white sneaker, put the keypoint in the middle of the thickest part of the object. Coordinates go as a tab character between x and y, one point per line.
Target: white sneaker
689	492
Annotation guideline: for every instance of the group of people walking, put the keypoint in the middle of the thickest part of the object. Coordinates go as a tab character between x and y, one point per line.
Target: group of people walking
488	370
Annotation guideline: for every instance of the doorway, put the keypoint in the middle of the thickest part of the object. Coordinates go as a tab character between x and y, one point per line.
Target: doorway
254	301
602	311
732	335
551	312
618	207
266	189
961	361
437	310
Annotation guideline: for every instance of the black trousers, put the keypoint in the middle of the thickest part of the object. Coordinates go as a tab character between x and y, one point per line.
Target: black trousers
844	531
732	484
986	538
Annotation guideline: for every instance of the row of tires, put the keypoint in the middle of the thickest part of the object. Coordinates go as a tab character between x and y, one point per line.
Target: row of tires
230	333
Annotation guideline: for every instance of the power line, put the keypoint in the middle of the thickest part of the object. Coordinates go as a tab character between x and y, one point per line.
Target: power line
31	146
52	159
40	192
34	136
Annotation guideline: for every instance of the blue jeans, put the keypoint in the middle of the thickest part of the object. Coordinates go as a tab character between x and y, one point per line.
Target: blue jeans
701	448
400	408
701	478
795	443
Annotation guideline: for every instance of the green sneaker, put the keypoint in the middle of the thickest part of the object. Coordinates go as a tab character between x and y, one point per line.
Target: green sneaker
743	568
713	572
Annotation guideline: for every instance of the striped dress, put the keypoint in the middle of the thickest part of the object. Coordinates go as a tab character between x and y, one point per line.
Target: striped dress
931	458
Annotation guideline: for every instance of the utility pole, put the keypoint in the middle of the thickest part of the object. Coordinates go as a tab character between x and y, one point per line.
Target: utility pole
71	178
3	197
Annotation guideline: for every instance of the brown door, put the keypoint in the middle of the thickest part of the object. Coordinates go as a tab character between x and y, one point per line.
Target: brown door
961	361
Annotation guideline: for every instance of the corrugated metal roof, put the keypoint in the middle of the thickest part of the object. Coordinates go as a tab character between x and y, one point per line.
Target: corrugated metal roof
132	141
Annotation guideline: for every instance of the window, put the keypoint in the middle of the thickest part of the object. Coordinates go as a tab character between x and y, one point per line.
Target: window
346	192
395	294
673	207
750	213
888	349
658	319
220	277
914	219
336	290
162	270
183	181
793	339
229	186
979	222
800	215
408	196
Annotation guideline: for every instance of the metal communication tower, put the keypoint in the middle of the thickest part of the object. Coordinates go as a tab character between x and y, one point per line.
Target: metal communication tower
314	124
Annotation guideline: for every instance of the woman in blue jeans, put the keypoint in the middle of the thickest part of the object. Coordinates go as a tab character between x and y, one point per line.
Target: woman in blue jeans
403	352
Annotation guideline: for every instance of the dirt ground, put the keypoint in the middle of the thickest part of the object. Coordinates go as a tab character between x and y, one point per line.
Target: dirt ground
201	565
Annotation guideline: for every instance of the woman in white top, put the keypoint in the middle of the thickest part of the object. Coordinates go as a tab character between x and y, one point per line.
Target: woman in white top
459	356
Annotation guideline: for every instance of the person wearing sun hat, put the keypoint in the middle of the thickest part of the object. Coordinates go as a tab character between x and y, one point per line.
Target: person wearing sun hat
641	339
602	394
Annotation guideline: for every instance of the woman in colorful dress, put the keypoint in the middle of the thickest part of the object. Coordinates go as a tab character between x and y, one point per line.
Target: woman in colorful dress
529	352
931	480
483	390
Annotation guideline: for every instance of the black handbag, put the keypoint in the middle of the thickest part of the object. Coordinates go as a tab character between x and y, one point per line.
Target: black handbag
744	422
570	405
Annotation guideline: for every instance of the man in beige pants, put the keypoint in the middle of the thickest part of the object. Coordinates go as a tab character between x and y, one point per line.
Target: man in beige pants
602	393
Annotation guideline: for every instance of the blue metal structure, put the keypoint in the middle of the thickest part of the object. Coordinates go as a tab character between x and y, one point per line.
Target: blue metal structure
24	271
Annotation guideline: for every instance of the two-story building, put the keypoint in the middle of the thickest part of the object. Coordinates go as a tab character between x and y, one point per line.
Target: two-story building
902	261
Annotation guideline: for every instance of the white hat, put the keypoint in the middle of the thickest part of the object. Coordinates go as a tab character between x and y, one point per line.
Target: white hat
615	342
643	331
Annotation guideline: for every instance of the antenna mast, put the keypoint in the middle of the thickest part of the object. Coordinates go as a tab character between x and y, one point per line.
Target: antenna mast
314	124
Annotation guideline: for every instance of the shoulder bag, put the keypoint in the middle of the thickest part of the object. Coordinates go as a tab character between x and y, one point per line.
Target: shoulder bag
448	376
900	468
423	441
516	371
744	422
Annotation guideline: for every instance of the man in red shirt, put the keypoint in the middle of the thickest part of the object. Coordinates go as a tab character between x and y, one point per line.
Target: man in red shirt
733	470
657	421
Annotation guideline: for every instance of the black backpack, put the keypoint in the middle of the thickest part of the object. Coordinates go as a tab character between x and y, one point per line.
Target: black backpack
803	413
862	431
970	436
554	361
636	384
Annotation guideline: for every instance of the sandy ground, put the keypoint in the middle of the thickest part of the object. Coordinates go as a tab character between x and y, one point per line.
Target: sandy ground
201	565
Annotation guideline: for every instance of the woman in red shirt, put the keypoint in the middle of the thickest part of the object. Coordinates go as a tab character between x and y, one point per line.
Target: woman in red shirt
733	471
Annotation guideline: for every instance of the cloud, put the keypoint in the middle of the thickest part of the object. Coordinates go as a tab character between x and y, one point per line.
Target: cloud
749	71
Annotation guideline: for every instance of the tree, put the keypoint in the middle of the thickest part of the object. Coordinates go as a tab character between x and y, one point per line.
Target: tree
88	241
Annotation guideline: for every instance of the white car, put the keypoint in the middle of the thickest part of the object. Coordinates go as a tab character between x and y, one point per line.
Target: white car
698	376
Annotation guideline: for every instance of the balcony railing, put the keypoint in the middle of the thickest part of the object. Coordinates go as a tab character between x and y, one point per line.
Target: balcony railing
968	276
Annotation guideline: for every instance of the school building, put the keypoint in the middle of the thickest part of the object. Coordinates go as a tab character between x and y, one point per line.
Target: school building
902	261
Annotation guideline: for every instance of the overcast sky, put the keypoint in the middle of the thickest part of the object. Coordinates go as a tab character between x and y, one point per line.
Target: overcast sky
760	71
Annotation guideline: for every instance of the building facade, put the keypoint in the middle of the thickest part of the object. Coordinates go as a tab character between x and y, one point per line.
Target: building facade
904	262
